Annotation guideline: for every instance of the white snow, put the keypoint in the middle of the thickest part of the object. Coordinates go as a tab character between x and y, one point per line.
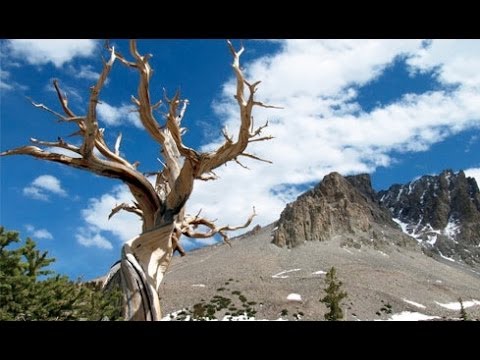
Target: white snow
411	186
399	194
415	304
438	281
319	272
402	225
281	276
432	239
445	257
174	315
411	316
456	305
294	297
447	177
199	285
381	252
452	229
422	198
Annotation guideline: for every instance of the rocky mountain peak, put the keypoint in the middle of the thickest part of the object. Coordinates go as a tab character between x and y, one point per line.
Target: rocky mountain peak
442	212
336	206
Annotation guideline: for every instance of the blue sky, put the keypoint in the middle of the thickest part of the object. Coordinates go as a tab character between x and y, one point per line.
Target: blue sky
394	108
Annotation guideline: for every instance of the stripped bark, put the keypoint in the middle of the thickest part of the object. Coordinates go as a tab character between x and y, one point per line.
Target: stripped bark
146	257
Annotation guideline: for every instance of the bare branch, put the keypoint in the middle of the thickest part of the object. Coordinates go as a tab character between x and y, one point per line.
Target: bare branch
63	100
230	150
60	144
191	223
239	163
43	107
228	138
124	206
91	120
176	242
139	186
255	157
269	137
261	104
259	130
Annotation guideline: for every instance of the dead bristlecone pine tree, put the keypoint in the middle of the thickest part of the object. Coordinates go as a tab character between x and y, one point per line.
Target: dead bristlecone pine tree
334	296
161	207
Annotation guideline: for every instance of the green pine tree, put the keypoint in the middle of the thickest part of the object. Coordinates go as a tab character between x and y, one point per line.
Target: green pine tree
30	291
463	313
334	296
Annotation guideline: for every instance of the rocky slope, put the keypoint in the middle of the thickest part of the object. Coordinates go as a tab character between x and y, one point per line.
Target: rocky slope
442	212
339	206
375	241
411	283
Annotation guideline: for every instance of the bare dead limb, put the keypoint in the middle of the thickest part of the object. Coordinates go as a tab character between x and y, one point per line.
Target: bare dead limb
161	207
124	206
190	224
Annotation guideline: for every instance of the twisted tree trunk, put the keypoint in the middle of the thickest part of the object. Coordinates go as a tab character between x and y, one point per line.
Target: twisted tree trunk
146	258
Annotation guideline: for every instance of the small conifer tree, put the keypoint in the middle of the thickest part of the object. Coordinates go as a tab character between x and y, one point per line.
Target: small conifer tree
29	291
463	313
334	296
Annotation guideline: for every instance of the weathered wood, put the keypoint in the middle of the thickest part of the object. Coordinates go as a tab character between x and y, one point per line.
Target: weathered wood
145	258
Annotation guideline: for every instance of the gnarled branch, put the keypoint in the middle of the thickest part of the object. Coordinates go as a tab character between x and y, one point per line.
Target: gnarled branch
190	224
124	206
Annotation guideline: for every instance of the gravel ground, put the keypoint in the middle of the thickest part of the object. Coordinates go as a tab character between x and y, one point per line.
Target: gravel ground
373	279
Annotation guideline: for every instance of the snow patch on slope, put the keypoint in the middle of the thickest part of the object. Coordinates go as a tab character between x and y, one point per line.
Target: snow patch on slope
456	305
415	304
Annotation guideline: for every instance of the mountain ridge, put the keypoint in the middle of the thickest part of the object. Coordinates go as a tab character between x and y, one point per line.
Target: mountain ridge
441	212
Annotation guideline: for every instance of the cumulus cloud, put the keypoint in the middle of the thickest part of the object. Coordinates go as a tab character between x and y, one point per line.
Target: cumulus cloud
4	75
456	61
55	51
123	225
116	116
38	233
84	72
322	127
91	238
6	83
43	186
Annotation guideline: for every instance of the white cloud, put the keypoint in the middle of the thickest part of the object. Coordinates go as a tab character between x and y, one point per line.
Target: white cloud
35	193
89	238
38	233
322	128
6	83
43	186
116	116
458	61
69	91
49	183
63	151
123	225
56	51
474	173
4	75
85	72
